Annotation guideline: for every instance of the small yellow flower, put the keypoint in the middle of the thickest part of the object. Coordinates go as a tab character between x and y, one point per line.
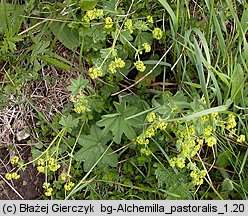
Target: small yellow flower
180	162
199	182
63	176
46	185
241	138
193	175
197	148
208	130
112	67
128	24
205	118
200	141
203	173
147	47
151	117
95	73
49	192
41	162
15	175
91	15
41	169
142	140
79	108
190	143
68	186
119	63
14	160
140	66
150	132
86	19
50	160
198	176
80	103
108	22
186	151
161	125
157	33
214	114
191	130
149	19
231	122
8	176
172	162
211	141
54	167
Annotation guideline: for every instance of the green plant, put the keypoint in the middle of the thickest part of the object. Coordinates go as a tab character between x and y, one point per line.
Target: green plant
159	106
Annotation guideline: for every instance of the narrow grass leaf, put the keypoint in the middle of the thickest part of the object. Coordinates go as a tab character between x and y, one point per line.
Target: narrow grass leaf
237	83
55	62
202	113
170	11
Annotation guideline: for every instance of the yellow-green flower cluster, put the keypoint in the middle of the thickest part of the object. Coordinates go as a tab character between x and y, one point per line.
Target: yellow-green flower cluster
41	169
211	141
80	103
205	118
189	147
157	33
142	140
68	186
140	66
64	176
41	165
149	19
114	65
208	130
185	132
147	47
13	175
129	25
93	14
145	151
151	117
191	130
95	72
108	22
48	189
231	122
177	162
161	125
150	132
198	176
214	115
188	144
14	160
52	164
241	138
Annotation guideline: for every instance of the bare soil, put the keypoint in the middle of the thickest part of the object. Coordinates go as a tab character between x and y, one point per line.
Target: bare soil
28	187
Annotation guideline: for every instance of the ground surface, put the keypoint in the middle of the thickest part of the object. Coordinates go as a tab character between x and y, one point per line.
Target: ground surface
17	134
29	186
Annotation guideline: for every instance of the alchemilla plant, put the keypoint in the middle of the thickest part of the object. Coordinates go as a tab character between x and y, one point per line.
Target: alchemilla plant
153	104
